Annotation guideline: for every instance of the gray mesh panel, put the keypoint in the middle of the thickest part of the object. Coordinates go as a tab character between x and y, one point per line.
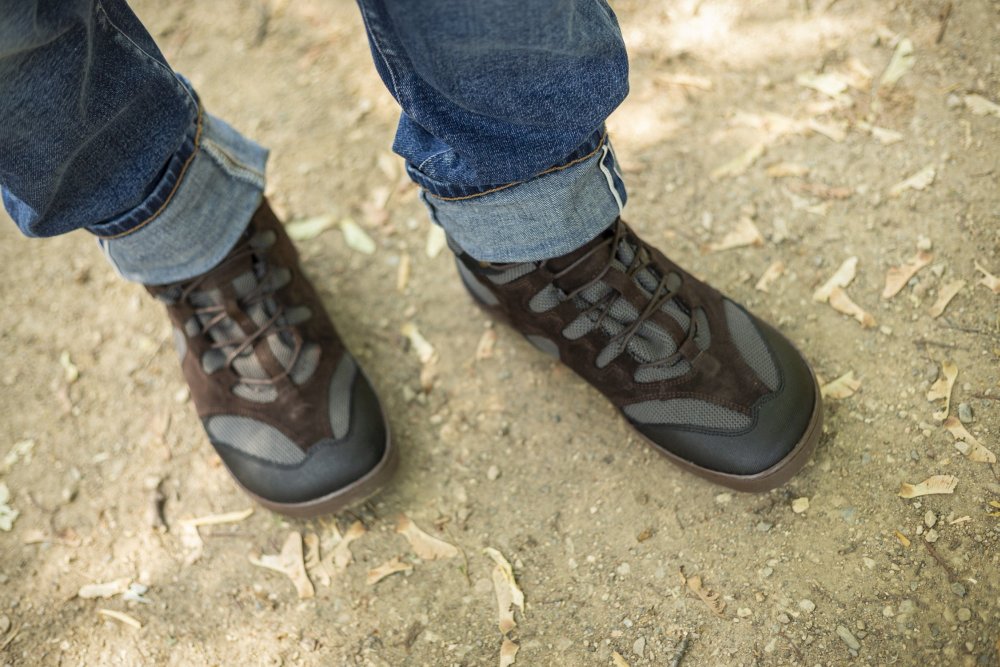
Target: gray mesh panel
547	299
306	364
750	345
277	278
264	239
297	315
192	328
659	373
512	274
255	438
260	393
477	288
339	405
545	345
213	360
689	412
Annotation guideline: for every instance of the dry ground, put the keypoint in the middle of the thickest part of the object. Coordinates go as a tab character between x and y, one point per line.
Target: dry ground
596	524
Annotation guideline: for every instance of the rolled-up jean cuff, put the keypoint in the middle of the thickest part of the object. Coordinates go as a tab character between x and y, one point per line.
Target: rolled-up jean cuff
191	220
550	215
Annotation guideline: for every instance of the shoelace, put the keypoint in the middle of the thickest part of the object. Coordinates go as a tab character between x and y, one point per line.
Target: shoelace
261	291
641	259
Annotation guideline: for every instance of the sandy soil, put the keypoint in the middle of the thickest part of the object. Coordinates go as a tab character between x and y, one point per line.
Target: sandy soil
512	451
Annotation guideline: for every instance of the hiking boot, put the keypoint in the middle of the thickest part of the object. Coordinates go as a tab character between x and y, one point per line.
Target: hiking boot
714	389
285	405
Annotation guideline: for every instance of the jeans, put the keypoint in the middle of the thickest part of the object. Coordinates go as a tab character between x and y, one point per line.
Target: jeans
502	127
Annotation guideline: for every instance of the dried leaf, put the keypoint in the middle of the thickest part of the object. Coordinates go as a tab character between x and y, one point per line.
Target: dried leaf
385	569
981	106
341	556
745	234
829	130
739	164
357	238
424	350
290	563
786	169
8	515
315	565
903	539
106	590
509	594
508	652
308	228
436	241
709	597
842	278
72	373
425	546
403	273
932	485
618	660
988	280
973	449
120	617
884	135
897	276
945	295
843	304
842	387
216	519
484	350
917	181
828	83
942	388
771	273
901	62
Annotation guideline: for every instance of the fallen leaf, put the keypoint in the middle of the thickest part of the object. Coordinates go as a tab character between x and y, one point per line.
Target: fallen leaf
842	278
884	135
739	164
709	597
403	273
508	652
315	566
308	228
903	539
899	64
917	181
831	131
618	660
945	295
509	594
942	388
385	569
356	238
842	387
973	449
425	546
935	484
341	556
897	276
424	350
771	273
120	617
216	519
8	515
988	280
72	373
106	590
484	350
745	234
828	83
290	563
843	304
981	106
437	241
786	169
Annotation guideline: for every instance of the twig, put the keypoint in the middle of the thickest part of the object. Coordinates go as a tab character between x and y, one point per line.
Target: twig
943	18
798	651
11	637
947	568
681	650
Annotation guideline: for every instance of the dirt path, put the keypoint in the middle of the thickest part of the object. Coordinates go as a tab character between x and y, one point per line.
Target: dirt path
512	451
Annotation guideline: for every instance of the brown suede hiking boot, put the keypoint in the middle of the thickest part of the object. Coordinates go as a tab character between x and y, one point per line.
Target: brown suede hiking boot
713	388
285	405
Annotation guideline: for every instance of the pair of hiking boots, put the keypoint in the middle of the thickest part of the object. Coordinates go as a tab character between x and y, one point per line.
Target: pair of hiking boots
298	424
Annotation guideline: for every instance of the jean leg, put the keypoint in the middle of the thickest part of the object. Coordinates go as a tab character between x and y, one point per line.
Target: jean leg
503	106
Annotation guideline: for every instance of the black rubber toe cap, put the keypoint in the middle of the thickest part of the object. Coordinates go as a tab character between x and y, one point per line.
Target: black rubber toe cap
781	420
328	466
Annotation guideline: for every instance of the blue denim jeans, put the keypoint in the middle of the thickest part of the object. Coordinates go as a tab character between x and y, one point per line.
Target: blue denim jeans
502	126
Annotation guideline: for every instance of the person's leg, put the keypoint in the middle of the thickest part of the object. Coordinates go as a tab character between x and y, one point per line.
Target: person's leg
99	133
502	127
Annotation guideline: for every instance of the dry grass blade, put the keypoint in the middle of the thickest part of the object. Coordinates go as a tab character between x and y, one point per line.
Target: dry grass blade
685	80
313	562
357	238
289	562
981	106
842	278
425	546
424	350
120	617
842	387
936	484
901	62
786	169
216	519
509	594
898	276
508	652
386	569
942	388
771	273
945	295
617	660
745	234
988	280
403	273
106	590
843	304
739	164
967	444
484	349
917	181
708	596
903	539
308	228
340	556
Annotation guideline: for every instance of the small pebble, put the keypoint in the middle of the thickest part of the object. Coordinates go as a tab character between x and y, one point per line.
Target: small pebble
492	473
308	644
4	624
930	518
623	569
639	647
958	589
849	639
953	101
965	413
766	572
800	505
744	612
807	605
783	618
931	536
764	526
964	614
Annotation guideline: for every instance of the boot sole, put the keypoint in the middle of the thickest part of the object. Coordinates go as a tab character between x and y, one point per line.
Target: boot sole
765	480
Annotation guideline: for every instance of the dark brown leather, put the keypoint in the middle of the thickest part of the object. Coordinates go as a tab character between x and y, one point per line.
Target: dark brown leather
295	410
